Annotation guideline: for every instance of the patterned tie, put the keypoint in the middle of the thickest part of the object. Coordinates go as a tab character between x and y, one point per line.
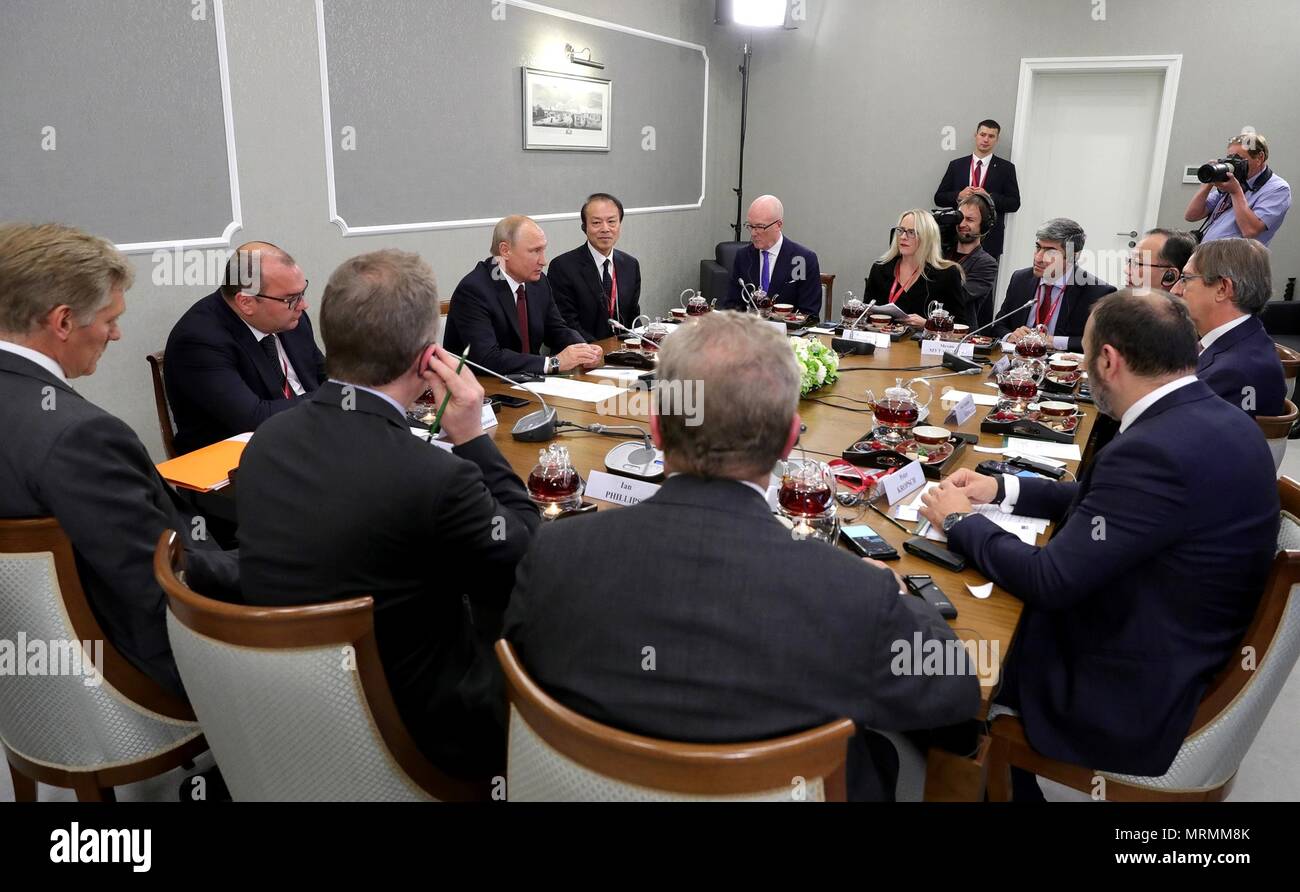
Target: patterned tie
978	180
766	278
607	282
268	347
521	308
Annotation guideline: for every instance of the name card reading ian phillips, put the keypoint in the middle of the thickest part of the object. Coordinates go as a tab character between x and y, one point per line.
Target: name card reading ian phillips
620	490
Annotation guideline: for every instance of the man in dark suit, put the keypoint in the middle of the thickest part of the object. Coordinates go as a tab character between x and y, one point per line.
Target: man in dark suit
1158	560
596	283
721	626
64	457
244	352
1226	285
775	264
983	173
505	313
1054	292
337	499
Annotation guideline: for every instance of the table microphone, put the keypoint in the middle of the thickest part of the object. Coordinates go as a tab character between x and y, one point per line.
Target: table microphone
953	361
744	293
619	326
535	427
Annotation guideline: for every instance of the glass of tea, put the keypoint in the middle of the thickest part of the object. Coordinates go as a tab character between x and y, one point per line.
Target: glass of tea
554	484
763	303
806	500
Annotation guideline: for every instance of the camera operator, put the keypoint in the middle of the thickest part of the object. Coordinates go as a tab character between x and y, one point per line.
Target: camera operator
977	219
1241	198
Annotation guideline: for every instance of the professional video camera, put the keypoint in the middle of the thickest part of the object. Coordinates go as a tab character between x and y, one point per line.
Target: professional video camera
948	219
1219	171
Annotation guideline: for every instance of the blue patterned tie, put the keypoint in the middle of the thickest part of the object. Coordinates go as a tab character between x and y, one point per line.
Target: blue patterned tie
766	278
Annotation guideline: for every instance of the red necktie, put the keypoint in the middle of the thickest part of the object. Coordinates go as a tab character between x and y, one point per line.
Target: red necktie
521	308
977	178
1045	309
610	283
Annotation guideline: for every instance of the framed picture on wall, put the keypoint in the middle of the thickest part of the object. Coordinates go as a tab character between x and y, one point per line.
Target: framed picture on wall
566	112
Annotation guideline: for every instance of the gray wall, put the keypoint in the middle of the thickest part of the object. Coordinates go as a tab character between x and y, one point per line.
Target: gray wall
851	105
275	84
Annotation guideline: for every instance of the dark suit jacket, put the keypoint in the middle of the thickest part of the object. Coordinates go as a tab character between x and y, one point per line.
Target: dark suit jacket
1144	592
220	383
999	182
755	635
791	281
981	270
1245	357
943	285
578	291
1076	304
433	537
64	457
483	316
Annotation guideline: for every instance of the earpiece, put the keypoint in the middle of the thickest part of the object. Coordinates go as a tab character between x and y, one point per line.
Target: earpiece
1169	278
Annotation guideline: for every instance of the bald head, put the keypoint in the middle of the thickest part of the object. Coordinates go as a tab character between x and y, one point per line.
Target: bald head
765	221
248	265
519	245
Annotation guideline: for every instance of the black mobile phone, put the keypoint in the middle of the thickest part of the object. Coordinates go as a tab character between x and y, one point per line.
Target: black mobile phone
925	589
992	468
868	543
510	402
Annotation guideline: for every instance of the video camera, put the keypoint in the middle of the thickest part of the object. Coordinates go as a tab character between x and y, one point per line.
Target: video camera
948	220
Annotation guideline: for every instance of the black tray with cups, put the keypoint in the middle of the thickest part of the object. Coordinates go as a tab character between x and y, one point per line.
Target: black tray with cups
1053	421
896	332
936	458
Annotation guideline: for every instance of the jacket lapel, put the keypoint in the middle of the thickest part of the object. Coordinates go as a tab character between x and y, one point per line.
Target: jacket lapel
595	287
243	336
507	300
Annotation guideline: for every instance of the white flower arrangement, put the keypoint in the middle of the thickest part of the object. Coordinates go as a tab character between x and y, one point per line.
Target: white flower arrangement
818	363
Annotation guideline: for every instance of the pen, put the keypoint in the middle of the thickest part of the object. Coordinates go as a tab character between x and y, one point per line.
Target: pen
873	507
446	397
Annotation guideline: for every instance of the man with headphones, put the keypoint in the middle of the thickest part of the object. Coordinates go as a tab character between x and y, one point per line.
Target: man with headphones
978	218
594	283
1158	259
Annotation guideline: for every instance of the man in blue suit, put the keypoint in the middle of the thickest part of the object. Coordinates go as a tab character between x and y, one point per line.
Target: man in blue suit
1226	285
773	263
1159	558
244	352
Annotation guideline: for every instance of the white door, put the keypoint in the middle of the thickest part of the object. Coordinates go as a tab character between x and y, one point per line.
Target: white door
1090	144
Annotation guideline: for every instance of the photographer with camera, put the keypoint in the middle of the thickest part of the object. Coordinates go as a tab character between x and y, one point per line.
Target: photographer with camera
966	248
1242	196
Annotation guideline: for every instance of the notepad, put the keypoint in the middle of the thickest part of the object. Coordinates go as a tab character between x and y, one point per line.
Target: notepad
206	469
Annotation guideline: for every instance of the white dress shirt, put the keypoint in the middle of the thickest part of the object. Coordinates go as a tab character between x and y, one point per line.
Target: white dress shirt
984	169
46	362
285	365
401	410
1215	333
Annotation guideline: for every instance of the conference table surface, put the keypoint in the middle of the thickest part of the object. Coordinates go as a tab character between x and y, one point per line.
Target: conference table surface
834	422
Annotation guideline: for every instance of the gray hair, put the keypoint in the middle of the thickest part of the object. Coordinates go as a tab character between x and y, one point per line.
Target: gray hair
507	230
748	378
379	311
1245	263
1063	230
48	265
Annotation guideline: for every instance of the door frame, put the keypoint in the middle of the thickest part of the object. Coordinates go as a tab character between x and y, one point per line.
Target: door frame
1170	64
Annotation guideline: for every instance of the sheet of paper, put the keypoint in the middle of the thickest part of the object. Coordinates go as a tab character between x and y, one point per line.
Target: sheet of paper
240	438
625	375
1026	528
566	388
1064	451
980	591
981	399
894	311
829	331
910	510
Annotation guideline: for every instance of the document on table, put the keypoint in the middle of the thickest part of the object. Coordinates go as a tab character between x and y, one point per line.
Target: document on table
1027	529
625	375
566	388
981	399
1062	451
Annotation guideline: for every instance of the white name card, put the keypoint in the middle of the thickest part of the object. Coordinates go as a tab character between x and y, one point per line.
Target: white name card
619	490
962	411
879	338
779	326
938	348
903	482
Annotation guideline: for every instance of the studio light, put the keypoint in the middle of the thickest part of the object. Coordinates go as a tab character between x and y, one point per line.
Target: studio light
759	13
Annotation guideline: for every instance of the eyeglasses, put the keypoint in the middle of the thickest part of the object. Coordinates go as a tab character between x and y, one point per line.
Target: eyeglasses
1184	277
1134	261
761	227
906	233
292	301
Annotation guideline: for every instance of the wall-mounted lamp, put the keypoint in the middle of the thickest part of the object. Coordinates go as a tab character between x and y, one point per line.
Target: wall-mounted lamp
577	57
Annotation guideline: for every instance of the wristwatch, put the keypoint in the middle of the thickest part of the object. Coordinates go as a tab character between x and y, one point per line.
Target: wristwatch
953	519
1002	489
552	366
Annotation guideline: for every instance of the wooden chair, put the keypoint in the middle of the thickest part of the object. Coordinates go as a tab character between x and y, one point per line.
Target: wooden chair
828	296
1276	429
1290	361
294	700
166	424
557	755
68	730
1230	713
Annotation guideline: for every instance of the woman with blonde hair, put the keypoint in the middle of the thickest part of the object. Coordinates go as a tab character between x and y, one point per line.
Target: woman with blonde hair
912	273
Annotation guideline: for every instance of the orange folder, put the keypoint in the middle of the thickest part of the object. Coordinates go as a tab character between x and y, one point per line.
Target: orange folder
204	469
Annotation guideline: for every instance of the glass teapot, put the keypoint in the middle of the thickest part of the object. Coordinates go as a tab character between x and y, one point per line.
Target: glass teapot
806	500
938	321
1033	344
554	484
854	312
694	304
654	332
898	409
1019	386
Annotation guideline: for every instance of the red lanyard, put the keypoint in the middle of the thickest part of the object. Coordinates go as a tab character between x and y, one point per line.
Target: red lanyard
613	292
1039	318
897	290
